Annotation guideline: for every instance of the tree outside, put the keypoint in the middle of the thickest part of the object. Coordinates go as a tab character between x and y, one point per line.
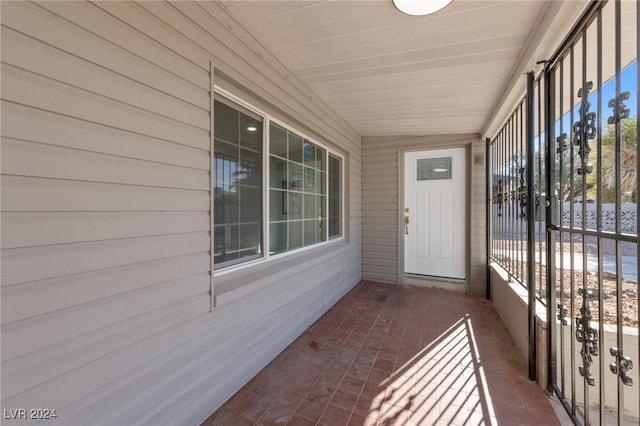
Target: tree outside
628	151
571	188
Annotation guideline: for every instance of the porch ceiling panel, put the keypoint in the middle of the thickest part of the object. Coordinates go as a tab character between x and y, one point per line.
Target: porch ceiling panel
386	73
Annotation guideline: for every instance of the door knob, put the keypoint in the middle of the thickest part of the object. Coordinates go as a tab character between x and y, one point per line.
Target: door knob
406	225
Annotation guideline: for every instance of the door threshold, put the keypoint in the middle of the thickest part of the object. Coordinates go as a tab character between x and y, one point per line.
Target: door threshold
434	282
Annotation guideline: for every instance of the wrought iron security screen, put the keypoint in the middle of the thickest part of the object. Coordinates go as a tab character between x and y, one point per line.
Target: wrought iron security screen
563	207
509	195
516	170
592	161
518	239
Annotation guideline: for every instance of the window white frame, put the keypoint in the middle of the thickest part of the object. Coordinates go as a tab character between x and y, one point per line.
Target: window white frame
341	197
267	120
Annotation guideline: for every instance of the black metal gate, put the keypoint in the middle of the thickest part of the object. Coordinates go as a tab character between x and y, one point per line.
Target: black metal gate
563	178
592	222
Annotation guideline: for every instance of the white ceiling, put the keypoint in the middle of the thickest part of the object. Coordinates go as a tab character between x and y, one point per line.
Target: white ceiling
386	73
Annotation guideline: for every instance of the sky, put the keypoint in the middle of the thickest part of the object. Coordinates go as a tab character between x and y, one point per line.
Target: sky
628	83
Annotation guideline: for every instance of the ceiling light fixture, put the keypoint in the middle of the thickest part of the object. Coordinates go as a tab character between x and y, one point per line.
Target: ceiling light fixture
252	128
420	7
440	170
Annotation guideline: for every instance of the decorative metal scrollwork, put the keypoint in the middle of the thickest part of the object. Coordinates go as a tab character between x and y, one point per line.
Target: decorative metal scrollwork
562	314
585	129
620	110
587	335
621	366
499	197
562	143
522	195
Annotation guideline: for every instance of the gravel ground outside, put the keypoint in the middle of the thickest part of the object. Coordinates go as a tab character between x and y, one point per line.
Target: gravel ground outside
566	280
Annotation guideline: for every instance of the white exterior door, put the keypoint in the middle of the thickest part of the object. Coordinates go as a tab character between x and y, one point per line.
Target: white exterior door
434	213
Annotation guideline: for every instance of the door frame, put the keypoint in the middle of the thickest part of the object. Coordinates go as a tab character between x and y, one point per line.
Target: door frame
429	281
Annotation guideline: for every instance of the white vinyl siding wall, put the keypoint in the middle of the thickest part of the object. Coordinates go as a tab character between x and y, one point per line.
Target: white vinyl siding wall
382	211
105	202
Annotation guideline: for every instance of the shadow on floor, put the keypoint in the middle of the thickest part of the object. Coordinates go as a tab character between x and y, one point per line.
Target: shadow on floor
395	355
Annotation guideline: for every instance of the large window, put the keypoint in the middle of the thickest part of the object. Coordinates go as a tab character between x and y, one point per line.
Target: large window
303	197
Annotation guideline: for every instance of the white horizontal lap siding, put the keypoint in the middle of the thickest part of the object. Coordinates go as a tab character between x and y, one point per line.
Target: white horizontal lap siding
24	158
40	24
22	193
478	219
70	132
106	214
380	205
254	321
34	90
67	68
105	197
62	360
28	300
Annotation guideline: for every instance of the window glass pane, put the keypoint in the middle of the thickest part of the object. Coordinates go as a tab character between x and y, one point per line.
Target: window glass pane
237	153
226	158
226	196
320	182
309	153
323	184
226	243
278	237
250	204
250	170
335	197
278	205
278	140
226	208
296	177
310	232
295	148
277	173
295	234
309	180
225	123
320	205
295	205
250	240
309	206
322	158
251	132
434	169
322	218
334	223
